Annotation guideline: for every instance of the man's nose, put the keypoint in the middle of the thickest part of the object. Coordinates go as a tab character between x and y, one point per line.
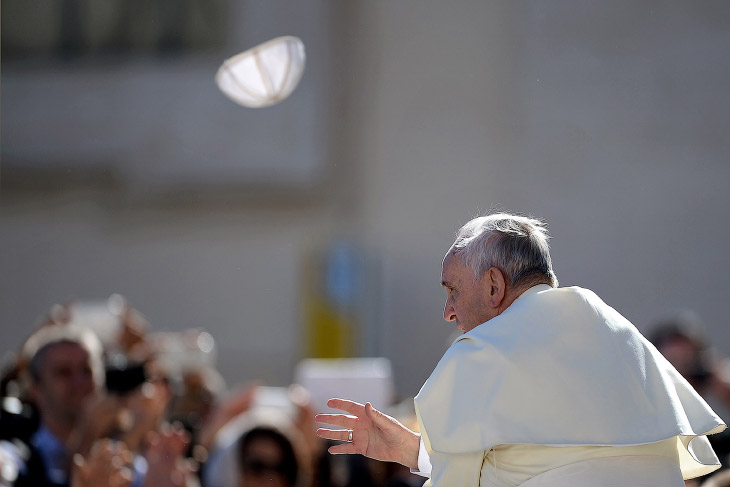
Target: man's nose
449	313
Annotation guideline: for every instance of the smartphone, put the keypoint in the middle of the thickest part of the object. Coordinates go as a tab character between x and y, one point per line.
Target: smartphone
124	379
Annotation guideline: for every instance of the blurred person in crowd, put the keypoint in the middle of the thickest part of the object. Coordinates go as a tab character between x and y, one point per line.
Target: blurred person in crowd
290	410
681	339
66	370
12	383
537	367
262	447
187	360
719	479
367	472
194	399
266	458
119	327
67	387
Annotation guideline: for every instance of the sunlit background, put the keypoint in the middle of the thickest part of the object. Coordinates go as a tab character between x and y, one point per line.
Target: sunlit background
316	227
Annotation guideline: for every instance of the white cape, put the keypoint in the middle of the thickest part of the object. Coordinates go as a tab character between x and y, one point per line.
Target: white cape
561	367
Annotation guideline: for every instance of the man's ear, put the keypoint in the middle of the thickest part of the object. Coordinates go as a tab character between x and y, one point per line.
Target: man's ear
496	287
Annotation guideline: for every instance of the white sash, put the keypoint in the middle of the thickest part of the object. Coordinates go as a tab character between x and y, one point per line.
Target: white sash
628	471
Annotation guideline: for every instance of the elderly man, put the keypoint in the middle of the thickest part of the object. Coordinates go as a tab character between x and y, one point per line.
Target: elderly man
546	387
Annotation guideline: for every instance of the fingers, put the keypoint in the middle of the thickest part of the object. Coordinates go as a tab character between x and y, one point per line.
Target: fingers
344	449
170	442
351	407
121	478
342	420
336	435
108	463
349	421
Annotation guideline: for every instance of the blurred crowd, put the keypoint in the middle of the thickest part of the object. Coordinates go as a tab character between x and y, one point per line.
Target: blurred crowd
94	397
683	341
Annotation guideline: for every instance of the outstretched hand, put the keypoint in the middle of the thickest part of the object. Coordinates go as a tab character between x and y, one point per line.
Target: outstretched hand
374	434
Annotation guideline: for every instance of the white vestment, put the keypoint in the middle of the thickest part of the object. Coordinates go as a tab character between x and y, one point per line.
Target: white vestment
558	367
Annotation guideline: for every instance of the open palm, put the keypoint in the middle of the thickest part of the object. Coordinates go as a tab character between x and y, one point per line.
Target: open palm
374	434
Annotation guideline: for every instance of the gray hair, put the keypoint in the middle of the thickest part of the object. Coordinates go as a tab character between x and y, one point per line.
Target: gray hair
516	245
41	341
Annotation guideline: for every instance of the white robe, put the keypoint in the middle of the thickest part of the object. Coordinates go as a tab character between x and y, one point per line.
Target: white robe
559	367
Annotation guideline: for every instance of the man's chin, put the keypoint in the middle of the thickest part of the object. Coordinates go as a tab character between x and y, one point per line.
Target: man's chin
76	410
70	417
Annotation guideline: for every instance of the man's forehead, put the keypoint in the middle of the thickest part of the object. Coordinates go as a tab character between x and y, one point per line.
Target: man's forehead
450	269
448	259
66	351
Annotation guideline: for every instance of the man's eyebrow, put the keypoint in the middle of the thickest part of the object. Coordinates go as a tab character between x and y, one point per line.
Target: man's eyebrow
446	284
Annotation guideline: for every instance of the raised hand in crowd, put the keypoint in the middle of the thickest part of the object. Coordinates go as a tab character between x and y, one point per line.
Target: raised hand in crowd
103	416
106	465
236	403
147	405
167	465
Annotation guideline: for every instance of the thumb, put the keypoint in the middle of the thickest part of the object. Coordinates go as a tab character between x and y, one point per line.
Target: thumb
373	414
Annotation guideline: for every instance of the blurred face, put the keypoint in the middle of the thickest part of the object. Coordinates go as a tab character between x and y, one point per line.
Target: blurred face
66	381
262	465
682	354
466	299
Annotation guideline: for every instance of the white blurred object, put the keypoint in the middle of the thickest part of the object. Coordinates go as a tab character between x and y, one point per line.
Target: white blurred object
265	74
103	317
10	462
180	352
357	379
274	397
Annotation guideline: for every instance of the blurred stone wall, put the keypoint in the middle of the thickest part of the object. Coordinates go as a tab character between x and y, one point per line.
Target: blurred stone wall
609	120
